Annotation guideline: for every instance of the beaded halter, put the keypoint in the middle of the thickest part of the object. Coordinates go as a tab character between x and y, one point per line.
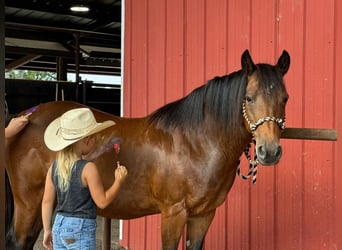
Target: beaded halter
253	164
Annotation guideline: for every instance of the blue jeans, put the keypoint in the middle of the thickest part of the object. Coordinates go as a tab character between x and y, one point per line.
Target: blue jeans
73	233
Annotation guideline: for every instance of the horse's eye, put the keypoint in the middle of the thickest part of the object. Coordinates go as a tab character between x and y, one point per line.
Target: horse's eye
248	99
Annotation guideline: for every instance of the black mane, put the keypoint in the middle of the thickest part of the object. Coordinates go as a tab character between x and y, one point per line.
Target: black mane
221	98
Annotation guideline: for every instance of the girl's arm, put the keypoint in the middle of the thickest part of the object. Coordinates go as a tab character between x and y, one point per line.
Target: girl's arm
47	209
92	179
16	125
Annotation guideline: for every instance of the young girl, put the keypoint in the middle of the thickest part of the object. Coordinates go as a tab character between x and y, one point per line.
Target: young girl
75	183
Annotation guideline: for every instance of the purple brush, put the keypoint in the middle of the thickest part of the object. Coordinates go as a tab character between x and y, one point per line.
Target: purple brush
31	110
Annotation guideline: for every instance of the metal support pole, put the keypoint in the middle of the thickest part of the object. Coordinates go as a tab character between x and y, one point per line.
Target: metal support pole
77	63
61	69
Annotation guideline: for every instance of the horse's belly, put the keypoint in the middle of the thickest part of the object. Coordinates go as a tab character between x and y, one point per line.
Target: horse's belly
128	209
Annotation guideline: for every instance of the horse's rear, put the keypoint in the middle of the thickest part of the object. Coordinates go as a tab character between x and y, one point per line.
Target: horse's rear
27	162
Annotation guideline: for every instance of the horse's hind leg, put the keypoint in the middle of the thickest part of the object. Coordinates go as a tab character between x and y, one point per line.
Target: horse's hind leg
9	204
25	228
173	222
197	228
27	219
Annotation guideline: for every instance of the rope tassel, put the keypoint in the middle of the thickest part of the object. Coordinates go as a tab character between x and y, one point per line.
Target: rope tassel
253	165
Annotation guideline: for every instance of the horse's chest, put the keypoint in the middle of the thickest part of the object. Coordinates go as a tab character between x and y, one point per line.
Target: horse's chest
211	191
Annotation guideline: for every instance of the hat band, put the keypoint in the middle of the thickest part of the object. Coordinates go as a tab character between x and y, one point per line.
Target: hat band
75	134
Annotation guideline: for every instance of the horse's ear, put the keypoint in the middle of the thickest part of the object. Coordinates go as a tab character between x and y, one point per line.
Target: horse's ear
247	63
284	62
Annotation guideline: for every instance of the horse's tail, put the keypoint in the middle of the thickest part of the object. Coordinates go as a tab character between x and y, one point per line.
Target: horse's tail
9	204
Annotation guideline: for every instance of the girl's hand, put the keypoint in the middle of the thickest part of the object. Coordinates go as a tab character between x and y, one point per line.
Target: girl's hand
16	125
47	240
120	173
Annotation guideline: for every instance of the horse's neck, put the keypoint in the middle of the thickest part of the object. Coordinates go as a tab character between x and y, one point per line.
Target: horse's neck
229	142
232	143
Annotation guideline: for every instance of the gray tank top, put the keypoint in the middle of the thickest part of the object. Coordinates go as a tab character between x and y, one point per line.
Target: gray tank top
76	201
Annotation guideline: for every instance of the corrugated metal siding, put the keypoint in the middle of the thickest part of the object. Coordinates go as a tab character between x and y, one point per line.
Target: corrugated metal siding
171	47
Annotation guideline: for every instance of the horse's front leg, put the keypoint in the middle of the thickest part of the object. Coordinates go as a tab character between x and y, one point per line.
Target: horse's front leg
173	222
197	228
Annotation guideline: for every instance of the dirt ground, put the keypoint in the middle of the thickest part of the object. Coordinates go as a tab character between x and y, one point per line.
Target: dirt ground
115	236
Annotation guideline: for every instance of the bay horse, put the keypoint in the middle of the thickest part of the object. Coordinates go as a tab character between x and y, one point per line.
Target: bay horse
181	159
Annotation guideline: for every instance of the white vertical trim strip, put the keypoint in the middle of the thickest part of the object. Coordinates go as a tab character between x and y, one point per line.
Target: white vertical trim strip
122	82
122	55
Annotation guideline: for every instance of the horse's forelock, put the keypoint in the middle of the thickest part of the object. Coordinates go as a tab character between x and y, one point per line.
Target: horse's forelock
270	80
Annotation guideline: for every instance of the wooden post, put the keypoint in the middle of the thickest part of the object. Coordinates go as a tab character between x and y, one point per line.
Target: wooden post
310	134
106	234
2	129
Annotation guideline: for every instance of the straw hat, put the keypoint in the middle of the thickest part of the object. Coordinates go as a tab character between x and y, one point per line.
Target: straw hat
71	127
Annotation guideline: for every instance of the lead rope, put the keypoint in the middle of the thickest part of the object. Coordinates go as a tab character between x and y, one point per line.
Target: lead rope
253	165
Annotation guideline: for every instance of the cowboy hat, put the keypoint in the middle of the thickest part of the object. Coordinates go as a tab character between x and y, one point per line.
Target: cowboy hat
71	127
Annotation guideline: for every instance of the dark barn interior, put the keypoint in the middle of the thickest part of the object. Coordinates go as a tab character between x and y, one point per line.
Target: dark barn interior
49	36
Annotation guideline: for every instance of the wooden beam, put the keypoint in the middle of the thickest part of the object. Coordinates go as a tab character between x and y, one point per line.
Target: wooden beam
310	134
21	61
38	51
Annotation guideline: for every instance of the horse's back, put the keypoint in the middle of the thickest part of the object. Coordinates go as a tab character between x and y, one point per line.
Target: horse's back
44	113
30	141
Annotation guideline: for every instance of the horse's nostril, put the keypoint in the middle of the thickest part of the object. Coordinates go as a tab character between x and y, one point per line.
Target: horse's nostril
261	151
279	152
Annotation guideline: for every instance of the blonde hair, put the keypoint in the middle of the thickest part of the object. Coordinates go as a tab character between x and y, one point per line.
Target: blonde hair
66	159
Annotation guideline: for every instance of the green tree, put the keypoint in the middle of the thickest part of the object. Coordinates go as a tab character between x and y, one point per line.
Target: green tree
32	75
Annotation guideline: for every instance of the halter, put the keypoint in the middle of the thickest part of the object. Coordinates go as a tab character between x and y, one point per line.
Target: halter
254	126
253	164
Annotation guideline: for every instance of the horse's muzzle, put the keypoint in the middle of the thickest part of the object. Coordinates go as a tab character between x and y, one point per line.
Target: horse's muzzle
269	154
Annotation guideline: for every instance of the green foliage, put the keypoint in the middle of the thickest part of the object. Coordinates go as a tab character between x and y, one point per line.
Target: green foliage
32	75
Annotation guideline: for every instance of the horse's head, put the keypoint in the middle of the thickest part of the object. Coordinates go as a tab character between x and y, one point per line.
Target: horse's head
264	105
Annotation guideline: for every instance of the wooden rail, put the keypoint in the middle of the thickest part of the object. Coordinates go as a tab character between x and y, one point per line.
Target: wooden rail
322	134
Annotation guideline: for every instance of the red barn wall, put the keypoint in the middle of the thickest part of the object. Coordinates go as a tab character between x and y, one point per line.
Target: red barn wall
171	47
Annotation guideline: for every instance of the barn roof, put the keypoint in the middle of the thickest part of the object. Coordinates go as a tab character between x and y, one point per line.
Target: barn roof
39	33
